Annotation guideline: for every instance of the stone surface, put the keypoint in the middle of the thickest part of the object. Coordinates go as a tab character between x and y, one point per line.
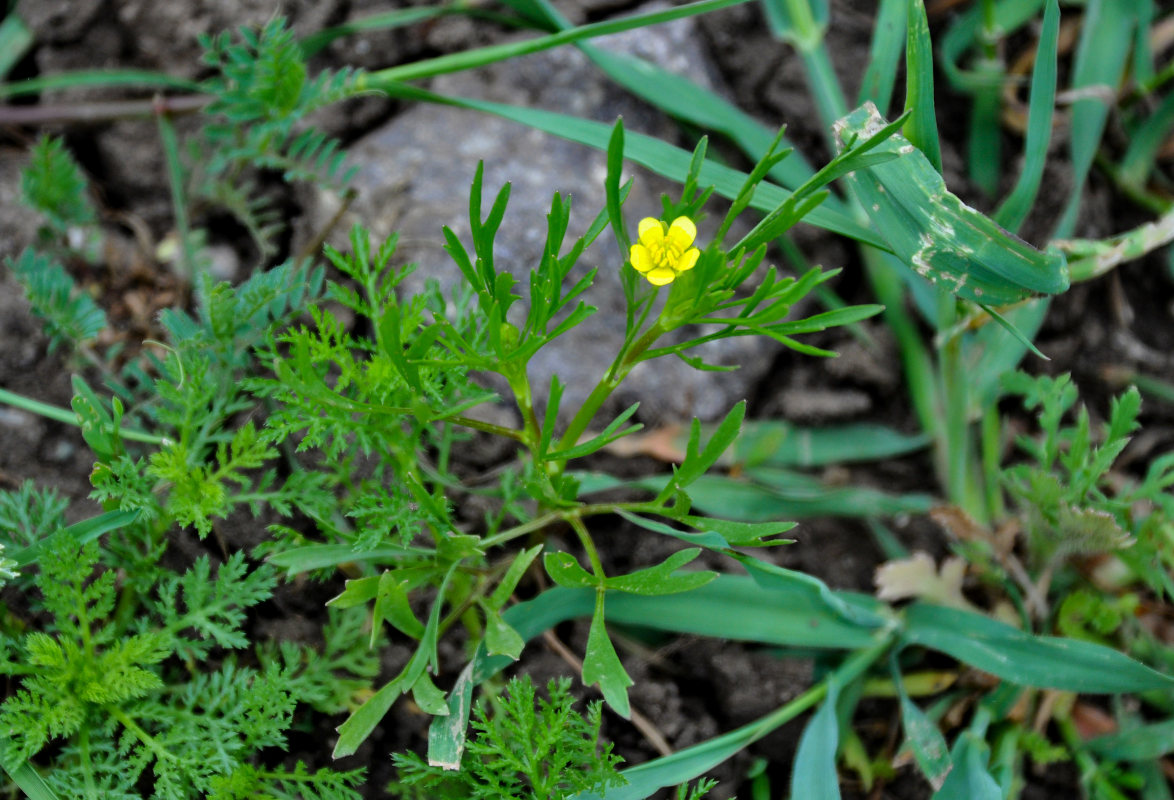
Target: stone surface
414	177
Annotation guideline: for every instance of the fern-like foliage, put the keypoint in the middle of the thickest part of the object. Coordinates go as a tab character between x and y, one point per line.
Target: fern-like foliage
528	748
54	185
263	93
124	699
29	514
70	315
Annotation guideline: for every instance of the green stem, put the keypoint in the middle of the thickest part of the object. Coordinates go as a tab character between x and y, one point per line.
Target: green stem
87	766
152	744
615	375
59	414
480	57
588	545
566	515
962	482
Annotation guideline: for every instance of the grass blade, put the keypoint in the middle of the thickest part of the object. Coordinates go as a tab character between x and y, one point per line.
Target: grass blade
481	56
659	157
683	99
1136	744
814	776
1106	35
888	42
1018	657
1040	114
97	77
936	234
27	779
15	41
922	127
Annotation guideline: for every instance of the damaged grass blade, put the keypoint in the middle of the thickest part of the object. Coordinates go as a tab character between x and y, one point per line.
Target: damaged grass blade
936	234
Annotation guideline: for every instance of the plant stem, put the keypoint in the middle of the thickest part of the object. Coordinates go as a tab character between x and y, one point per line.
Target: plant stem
615	375
59	414
140	734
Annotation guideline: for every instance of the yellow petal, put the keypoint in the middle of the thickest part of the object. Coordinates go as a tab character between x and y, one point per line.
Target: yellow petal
640	258
688	259
682	232
651	231
660	276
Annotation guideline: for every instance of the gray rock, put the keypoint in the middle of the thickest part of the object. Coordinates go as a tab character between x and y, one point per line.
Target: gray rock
414	174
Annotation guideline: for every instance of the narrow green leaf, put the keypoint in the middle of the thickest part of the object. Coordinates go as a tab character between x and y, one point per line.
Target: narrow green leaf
469	59
27	779
509	581
430	699
922	126
710	539
922	735
355	730
500	638
391	604
446	734
601	665
97	77
1106	33
651	153
742	534
970	777
1142	743
387	20
607	436
1018	657
320	556
1040	113
15	40
808	590
698	461
80	532
659	579
564	569
759	501
888	42
356	592
814	775
615	169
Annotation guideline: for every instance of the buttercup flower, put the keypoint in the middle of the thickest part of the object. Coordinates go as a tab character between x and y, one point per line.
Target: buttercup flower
663	251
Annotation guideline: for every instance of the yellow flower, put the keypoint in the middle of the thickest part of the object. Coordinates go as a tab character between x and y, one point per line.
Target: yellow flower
663	251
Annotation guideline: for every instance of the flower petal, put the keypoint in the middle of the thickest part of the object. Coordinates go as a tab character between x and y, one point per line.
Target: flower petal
688	259
660	276
651	231
682	232
640	257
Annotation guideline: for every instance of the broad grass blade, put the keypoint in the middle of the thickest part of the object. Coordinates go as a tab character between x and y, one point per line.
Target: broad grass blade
80	533
1137	744
936	234
27	779
970	778
814	775
1041	661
